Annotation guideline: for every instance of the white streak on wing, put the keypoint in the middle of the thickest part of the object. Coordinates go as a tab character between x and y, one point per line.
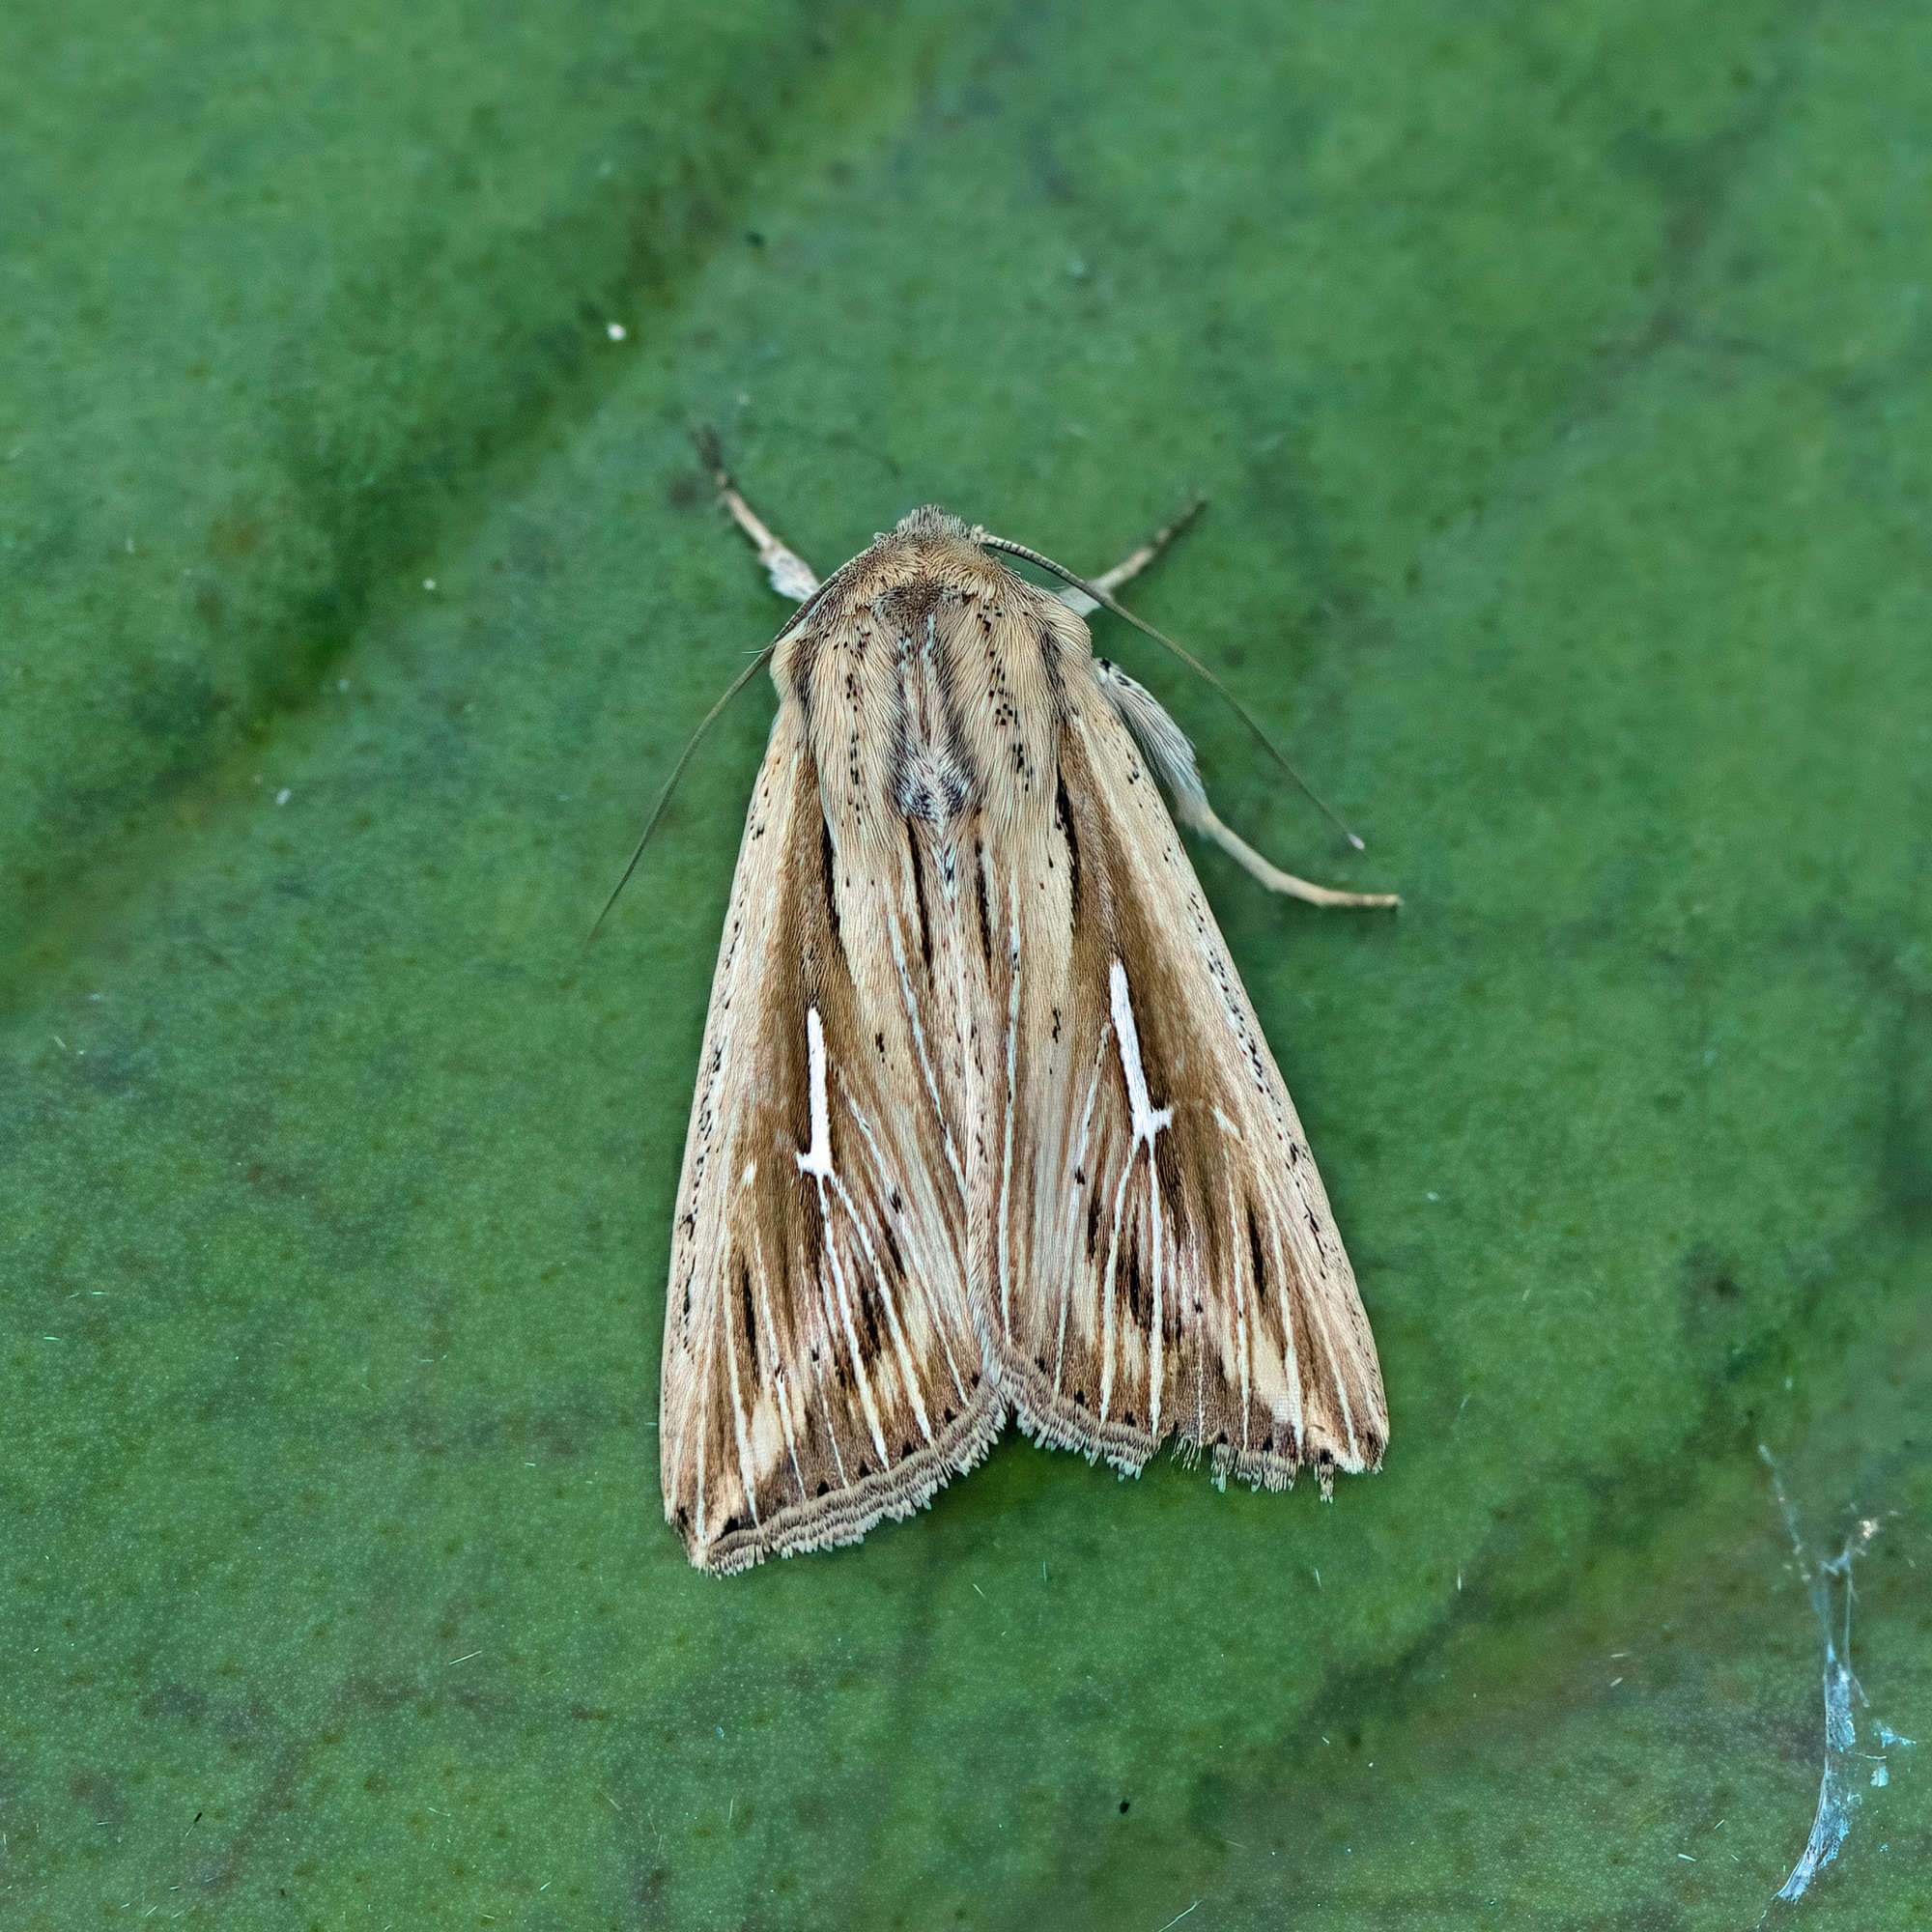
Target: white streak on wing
824	1343
882	1181
781	1386
1241	1361
1324	1311
1157	1260
698	1538
963	1008
1289	1362
1320	1316
891	1307
816	1161
1200	1349
1241	1028
1147	1122
1007	1153
677	1298
866	1401
737	1406
1347	1414
924	1061
1107	1289
830	1430
722	1057
1147	1119
1319	1313
1074	1201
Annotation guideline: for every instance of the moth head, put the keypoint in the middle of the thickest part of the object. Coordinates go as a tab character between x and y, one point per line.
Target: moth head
930	524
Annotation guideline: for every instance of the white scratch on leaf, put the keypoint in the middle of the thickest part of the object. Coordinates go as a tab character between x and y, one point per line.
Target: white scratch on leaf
1837	1786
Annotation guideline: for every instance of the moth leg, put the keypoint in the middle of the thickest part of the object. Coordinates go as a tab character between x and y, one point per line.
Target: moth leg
1200	814
1173	758
791	576
1131	566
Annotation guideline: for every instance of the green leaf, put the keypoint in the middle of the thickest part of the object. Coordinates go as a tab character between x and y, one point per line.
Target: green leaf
1556	375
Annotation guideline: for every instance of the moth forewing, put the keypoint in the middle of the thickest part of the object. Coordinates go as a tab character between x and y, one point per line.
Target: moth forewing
1180	1272
985	1119
820	1367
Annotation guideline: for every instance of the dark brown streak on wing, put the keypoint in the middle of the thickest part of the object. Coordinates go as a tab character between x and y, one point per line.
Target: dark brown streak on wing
805	667
979	897
829	874
1063	817
919	898
750	1317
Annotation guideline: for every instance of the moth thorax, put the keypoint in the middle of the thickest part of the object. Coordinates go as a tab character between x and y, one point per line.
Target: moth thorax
931	773
933	786
932	776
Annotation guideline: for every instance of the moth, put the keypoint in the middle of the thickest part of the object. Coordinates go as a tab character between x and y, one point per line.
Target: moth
985	1125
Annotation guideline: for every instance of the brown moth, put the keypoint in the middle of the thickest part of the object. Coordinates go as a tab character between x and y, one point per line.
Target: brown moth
984	1124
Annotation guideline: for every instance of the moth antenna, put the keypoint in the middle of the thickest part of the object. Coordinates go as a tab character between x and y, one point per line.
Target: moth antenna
704	440
711	716
1097	590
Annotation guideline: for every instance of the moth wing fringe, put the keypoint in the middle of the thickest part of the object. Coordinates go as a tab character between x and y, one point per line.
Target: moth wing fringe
1124	1451
844	1516
1057	1424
